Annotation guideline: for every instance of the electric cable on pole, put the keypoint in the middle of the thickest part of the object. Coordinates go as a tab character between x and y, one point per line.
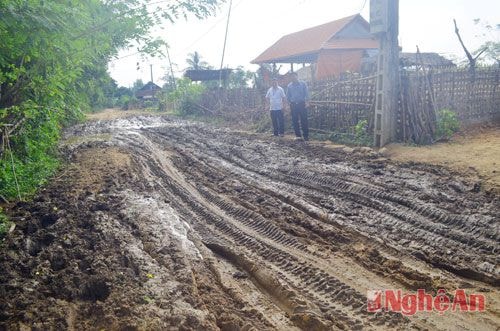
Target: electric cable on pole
171	68
225	41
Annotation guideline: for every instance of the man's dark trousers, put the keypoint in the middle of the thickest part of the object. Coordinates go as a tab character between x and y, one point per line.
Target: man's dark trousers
299	113
278	122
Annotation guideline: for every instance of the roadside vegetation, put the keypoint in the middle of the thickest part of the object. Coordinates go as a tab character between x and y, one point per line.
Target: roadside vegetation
4	223
447	124
184	98
53	69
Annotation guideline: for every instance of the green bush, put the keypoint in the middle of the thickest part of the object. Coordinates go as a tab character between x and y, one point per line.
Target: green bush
123	101
54	59
185	97
34	158
148	104
447	123
361	134
4	223
164	104
357	135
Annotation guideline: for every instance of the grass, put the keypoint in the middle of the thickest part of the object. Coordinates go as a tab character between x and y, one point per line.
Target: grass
24	177
343	138
4	224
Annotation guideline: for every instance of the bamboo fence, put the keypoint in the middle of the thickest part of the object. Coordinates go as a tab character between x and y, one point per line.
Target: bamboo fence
232	100
474	98
338	105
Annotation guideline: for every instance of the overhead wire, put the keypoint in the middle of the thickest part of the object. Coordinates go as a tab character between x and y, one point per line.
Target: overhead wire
194	42
362	7
212	27
225	41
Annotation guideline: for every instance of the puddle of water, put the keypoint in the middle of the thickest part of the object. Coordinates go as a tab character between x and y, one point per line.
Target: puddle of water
144	122
164	222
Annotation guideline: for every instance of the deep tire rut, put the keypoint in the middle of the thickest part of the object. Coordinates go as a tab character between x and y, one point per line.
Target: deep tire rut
167	224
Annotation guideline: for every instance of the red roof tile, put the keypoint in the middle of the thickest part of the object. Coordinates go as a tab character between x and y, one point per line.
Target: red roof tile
362	43
308	41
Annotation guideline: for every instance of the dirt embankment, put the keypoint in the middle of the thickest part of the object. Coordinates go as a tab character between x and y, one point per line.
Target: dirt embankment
475	151
165	224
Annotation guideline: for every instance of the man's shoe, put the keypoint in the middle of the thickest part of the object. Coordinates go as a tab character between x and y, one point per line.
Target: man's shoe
298	138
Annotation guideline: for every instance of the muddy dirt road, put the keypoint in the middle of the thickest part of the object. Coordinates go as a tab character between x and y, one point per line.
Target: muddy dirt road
160	224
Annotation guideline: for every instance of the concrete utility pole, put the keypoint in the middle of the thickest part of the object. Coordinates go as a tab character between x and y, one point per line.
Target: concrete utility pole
151	67
172	78
384	20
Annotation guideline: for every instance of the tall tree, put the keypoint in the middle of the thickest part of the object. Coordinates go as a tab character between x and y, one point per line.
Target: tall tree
53	66
240	77
472	58
195	62
491	47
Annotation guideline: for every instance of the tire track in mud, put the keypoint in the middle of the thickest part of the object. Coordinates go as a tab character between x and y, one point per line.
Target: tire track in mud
339	239
281	253
436	229
192	168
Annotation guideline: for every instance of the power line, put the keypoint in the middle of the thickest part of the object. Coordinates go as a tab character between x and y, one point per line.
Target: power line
171	69
196	41
124	56
211	28
362	7
225	36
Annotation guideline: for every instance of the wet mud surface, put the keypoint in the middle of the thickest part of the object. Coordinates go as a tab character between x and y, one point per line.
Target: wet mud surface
160	224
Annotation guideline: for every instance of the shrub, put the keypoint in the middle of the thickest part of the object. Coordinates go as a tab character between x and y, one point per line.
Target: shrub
447	123
185	97
148	104
123	101
33	163
4	223
361	134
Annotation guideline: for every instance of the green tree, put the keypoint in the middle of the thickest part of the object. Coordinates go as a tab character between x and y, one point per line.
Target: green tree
53	67
491	53
491	47
185	97
240	77
196	63
138	84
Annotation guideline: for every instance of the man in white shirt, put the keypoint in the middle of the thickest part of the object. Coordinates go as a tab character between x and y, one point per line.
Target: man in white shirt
276	97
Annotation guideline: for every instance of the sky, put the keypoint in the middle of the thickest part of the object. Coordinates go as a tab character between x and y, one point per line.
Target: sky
257	24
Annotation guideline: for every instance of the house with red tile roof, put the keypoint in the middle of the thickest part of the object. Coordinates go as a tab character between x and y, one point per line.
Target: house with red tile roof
332	48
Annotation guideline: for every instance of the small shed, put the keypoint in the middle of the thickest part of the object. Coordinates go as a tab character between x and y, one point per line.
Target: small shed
408	61
333	47
148	91
433	60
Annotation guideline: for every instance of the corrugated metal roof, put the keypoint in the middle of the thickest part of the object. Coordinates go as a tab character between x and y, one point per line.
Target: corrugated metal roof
305	43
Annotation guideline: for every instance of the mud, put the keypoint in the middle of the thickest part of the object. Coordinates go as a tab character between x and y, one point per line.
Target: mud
162	224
